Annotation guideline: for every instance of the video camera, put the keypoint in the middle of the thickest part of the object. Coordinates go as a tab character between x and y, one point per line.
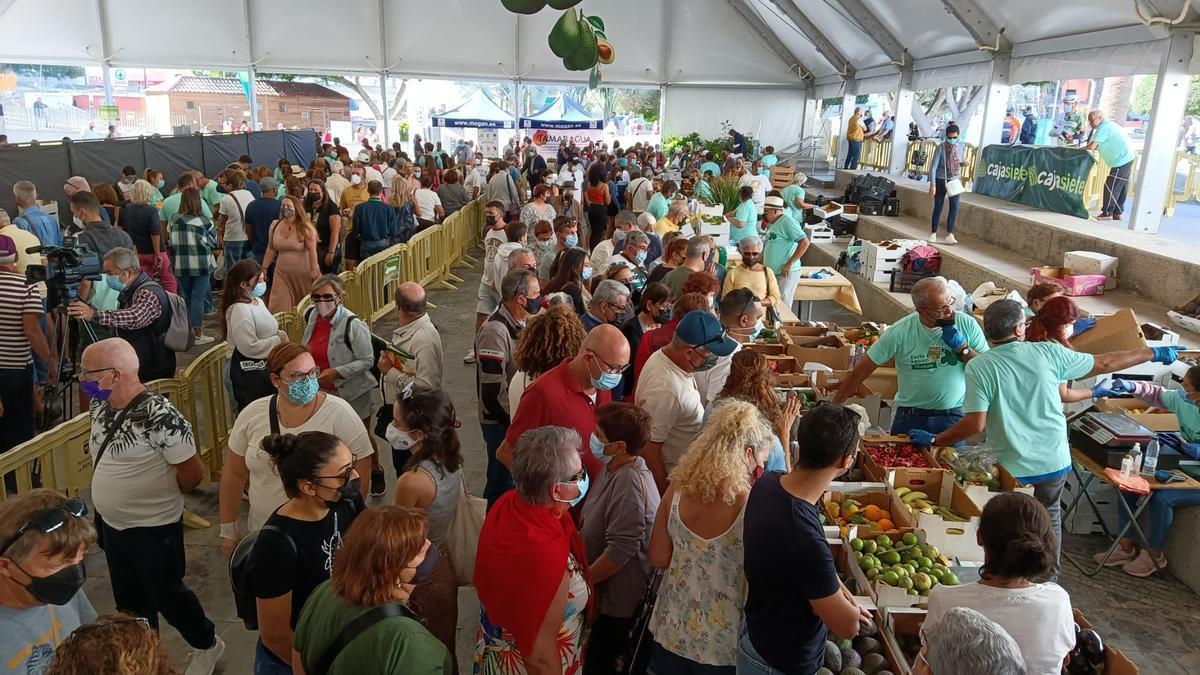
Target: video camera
65	267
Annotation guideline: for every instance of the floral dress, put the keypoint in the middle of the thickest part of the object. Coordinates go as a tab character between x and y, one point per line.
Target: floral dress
702	595
496	651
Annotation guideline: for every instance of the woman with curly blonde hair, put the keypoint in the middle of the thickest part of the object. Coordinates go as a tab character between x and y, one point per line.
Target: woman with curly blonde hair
549	338
750	380
697	539
114	644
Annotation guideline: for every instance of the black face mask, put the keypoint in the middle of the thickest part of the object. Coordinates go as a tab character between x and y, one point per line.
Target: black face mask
58	588
312	198
490	220
426	567
664	315
346	492
749	260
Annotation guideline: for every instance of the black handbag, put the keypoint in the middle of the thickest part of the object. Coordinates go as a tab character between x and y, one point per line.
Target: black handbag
637	652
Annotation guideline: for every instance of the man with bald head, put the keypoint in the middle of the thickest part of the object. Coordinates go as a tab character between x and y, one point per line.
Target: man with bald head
144	458
568	394
416	336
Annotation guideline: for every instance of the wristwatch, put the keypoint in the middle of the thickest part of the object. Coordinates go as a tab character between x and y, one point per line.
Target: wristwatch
964	350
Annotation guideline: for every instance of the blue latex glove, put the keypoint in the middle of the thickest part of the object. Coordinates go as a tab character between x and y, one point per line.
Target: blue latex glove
1085	324
953	338
1121	386
1104	391
1165	355
1191	450
921	437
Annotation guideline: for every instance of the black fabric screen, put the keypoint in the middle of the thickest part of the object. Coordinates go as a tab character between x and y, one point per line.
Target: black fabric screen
301	147
267	148
47	166
102	161
173	155
222	150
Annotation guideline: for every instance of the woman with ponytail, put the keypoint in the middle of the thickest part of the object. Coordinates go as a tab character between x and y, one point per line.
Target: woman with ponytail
1056	320
424	439
1018	548
295	550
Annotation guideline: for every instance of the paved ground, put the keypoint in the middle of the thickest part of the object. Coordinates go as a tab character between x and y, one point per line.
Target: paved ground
1150	620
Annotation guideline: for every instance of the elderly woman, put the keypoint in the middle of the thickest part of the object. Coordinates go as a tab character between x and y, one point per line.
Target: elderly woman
1018	547
452	193
549	338
531	566
140	220
965	642
617	522
381	561
697	539
752	273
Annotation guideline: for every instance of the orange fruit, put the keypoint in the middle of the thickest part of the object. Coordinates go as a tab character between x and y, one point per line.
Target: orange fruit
886	525
872	512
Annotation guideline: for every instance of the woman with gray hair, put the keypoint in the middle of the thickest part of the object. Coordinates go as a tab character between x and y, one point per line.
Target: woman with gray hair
531	565
752	273
965	642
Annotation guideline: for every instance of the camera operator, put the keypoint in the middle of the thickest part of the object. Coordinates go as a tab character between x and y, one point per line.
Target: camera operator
141	317
98	234
20	333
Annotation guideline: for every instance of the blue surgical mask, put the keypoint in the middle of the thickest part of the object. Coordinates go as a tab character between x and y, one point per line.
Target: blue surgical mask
160	183
572	240
607	381
598	450
952	141
114	282
259	290
758	328
302	392
641	257
583	488
586	274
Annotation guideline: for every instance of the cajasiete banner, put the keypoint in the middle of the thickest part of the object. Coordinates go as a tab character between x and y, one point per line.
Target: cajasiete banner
1042	177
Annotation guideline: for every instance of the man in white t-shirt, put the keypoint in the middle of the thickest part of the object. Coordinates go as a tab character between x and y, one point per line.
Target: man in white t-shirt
476	177
144	458
760	190
336	182
639	192
429	205
666	390
232	234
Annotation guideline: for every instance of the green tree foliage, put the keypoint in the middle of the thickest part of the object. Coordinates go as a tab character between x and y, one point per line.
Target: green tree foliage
1143	96
57	72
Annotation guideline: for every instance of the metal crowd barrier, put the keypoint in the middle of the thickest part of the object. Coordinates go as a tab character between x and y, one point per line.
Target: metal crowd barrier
59	458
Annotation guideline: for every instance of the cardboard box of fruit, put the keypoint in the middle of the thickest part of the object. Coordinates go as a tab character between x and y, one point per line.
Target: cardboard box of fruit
868	652
901	632
1086	646
897	571
887	452
879	512
1151	418
979	482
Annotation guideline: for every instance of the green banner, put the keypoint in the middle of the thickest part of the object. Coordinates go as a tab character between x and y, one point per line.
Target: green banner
1042	177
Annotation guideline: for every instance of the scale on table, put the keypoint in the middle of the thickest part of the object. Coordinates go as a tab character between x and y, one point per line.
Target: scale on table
1111	430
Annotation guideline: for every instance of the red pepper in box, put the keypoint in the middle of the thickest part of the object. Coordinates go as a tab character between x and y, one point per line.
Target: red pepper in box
898	454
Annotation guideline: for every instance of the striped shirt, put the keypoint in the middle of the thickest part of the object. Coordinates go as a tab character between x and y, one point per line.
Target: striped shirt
16	300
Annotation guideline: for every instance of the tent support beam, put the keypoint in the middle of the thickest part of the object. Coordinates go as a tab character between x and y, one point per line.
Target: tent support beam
825	48
1170	99
986	33
849	101
901	116
383	77
756	25
880	34
251	71
105	52
995	102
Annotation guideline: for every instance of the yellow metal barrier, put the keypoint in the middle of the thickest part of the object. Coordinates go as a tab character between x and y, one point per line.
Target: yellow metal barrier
876	154
59	457
970	155
1191	186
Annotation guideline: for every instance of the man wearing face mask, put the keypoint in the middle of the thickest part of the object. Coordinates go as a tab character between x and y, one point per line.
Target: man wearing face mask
144	458
494	234
635	251
931	348
565	204
98	234
568	394
609	305
495	348
666	389
698	248
742	315
355	193
43	537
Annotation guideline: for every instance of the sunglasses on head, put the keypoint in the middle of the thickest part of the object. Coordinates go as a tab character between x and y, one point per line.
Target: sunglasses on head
48	520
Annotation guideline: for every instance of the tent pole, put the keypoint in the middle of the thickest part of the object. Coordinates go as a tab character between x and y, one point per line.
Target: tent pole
996	102
383	78
901	116
252	78
1155	175
108	88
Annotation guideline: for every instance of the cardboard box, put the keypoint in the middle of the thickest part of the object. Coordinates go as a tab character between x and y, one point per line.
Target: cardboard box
828	210
819	234
1090	262
1075	285
804	331
790	380
875	472
883	382
766	348
850	213
1113	333
1115	663
981	495
831	350
1165	421
956	540
881	496
828	383
782	364
902	625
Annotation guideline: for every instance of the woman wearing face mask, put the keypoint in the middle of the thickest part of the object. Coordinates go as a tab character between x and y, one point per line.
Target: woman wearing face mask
674	253
155	178
425	428
697	539
538	208
452	193
567	204
531	567
654	310
752	273
572	272
327	220
296	406
750	380
947	166
292	246
295	549
545	247
383	559
617	521
250	329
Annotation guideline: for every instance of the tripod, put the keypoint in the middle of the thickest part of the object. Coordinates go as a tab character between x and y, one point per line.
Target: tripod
66	347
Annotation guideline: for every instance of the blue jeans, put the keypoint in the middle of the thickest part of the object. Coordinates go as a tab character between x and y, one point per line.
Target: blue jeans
853	150
194	290
235	251
933	421
939	199
749	661
663	662
265	662
1049	493
499	480
1162	513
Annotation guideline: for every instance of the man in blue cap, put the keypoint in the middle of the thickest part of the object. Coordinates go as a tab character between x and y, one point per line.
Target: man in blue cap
666	389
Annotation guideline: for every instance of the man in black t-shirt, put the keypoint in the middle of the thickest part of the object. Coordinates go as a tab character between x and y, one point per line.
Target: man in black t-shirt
795	598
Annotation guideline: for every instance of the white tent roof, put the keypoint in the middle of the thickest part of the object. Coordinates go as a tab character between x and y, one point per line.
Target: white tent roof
680	42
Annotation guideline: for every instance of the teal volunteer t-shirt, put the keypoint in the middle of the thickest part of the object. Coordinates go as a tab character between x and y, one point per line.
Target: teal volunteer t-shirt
1187	412
658	206
1113	144
747	214
782	237
1016	384
790	194
928	373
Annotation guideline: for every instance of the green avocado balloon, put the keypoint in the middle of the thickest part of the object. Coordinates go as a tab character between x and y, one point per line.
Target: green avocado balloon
563	4
524	6
566	35
587	53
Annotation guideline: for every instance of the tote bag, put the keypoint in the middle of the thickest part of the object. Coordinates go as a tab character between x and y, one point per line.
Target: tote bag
463	537
954	187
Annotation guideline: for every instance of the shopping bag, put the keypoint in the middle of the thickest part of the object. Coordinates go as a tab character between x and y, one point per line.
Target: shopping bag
463	537
954	187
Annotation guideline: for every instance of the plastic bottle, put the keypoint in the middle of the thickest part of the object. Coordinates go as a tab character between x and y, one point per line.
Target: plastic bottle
1136	455
1127	467
1150	460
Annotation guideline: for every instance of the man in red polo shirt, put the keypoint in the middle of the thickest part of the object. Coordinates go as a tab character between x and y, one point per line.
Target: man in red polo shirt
568	394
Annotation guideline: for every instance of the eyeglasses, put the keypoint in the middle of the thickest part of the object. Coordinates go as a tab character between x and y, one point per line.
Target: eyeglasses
607	367
328	297
944	309
296	375
86	374
48	520
344	476
577	477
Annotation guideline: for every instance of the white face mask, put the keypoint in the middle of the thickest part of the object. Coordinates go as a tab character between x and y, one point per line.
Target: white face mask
355	179
400	439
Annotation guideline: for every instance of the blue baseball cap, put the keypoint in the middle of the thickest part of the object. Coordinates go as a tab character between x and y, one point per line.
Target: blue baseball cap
702	330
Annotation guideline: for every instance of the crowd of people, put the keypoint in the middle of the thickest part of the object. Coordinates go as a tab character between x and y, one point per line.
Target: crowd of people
635	448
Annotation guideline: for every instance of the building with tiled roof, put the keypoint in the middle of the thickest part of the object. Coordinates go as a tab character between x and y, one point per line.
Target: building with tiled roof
206	102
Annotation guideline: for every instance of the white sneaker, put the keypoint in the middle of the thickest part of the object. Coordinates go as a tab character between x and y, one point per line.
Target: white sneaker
470	357
933	238
203	339
204	661
951	240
